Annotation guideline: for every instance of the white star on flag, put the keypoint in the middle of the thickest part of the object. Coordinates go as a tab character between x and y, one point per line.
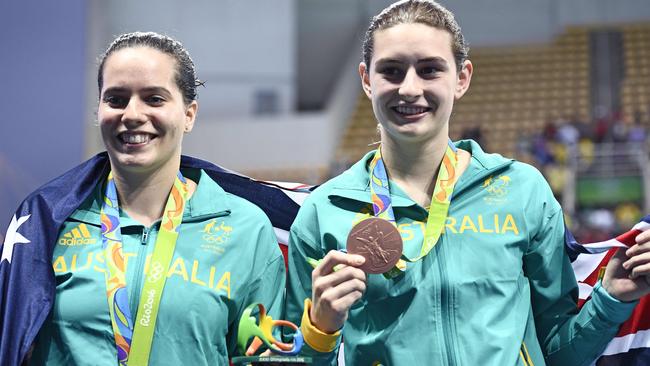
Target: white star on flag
13	237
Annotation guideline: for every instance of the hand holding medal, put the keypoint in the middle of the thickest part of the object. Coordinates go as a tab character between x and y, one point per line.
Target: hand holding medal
337	283
375	246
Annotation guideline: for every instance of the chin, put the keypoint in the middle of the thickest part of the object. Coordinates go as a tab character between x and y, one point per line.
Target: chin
412	134
409	130
129	162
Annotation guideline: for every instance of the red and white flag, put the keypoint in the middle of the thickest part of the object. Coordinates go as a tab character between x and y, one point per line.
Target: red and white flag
631	346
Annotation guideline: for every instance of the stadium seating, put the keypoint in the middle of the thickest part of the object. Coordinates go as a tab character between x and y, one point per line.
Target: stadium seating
514	91
635	91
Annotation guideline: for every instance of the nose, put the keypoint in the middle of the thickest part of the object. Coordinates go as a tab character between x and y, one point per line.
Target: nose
133	112
411	86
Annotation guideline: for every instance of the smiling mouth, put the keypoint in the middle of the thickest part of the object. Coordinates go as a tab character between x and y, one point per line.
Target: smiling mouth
410	110
133	138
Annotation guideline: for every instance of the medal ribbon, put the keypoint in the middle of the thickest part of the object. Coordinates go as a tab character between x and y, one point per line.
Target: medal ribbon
136	343
440	201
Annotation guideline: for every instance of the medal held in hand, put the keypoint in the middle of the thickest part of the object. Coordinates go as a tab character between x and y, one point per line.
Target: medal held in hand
440	201
373	239
378	241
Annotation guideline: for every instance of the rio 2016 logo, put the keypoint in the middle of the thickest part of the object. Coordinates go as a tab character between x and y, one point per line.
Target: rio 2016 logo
148	308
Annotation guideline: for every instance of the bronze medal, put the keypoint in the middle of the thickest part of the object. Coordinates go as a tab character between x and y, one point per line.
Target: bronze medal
378	241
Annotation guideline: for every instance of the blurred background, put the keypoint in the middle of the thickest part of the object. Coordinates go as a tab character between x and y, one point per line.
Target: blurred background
560	84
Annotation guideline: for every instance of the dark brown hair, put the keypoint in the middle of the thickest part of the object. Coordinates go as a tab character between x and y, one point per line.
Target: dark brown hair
185	73
417	11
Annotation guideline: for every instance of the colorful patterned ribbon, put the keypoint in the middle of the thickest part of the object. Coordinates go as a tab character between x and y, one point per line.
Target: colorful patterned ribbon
129	341
440	201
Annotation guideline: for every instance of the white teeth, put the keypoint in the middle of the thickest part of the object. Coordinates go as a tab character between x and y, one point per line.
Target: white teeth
403	109
131	138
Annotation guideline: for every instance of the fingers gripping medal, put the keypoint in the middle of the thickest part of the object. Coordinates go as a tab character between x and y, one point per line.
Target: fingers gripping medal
378	241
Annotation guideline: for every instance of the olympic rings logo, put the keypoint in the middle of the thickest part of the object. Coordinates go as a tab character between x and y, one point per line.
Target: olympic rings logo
497	191
155	272
218	239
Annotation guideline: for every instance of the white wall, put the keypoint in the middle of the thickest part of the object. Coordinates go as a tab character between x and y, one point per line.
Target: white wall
327	32
246	144
298	140
239	47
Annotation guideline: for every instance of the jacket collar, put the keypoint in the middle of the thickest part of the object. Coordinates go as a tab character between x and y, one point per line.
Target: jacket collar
208	199
354	183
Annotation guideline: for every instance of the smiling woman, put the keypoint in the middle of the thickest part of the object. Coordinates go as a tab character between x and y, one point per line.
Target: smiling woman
136	280
413	81
140	88
143	114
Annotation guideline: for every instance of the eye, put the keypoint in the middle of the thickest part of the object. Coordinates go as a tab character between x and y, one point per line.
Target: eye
390	71
428	71
155	100
115	101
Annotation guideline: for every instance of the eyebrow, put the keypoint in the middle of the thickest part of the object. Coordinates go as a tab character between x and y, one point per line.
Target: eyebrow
149	89
437	60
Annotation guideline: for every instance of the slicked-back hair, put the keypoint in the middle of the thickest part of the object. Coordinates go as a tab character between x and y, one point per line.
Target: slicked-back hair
426	12
185	73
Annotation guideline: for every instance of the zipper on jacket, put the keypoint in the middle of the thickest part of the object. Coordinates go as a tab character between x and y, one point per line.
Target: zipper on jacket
447	306
138	274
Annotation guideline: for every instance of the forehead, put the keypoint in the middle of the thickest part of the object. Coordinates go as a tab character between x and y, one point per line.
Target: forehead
139	65
412	40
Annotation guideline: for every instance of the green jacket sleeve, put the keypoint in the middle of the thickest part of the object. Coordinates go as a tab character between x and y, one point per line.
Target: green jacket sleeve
267	285
299	289
567	336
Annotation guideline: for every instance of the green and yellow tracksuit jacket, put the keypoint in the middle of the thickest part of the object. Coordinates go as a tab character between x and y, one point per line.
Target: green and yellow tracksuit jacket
497	289
226	258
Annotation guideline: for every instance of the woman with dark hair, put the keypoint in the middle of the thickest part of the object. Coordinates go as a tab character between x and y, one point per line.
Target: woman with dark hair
158	263
483	277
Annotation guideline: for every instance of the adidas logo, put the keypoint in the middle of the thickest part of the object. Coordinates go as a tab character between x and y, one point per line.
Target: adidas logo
77	236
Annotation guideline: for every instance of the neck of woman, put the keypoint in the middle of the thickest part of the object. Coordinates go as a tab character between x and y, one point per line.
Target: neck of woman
414	166
143	195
